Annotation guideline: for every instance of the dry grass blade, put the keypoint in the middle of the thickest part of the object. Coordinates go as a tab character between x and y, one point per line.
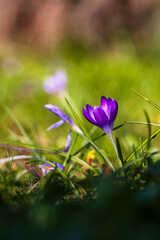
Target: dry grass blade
16	148
27	149
14	158
32	187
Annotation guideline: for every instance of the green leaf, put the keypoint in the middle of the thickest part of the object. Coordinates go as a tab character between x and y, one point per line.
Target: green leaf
105	159
79	123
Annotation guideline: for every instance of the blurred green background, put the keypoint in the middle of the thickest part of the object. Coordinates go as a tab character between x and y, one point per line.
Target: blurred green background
105	48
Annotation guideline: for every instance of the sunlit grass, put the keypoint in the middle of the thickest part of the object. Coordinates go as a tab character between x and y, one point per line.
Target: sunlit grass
89	78
92	196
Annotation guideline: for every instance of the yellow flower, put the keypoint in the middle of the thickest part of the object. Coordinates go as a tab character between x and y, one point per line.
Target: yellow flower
91	155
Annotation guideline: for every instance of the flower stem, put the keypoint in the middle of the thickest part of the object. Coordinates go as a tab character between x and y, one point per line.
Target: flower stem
114	145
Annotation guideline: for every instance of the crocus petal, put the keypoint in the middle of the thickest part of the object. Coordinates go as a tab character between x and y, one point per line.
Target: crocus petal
114	111
90	111
106	105
56	125
58	112
100	116
88	117
68	142
103	116
46	167
60	166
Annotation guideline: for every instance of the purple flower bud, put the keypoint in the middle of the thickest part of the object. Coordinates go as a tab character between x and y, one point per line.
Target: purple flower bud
56	83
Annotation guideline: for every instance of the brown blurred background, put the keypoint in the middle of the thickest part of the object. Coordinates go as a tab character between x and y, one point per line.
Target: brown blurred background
48	23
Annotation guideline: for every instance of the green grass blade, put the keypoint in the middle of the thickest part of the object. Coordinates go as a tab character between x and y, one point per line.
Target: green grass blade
130	164
146	99
105	159
69	151
142	145
18	124
102	135
143	123
149	129
119	151
83	163
134	150
51	151
79	123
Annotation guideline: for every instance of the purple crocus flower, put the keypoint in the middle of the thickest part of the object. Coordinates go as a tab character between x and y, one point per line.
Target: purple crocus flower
64	119
56	83
46	167
104	116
